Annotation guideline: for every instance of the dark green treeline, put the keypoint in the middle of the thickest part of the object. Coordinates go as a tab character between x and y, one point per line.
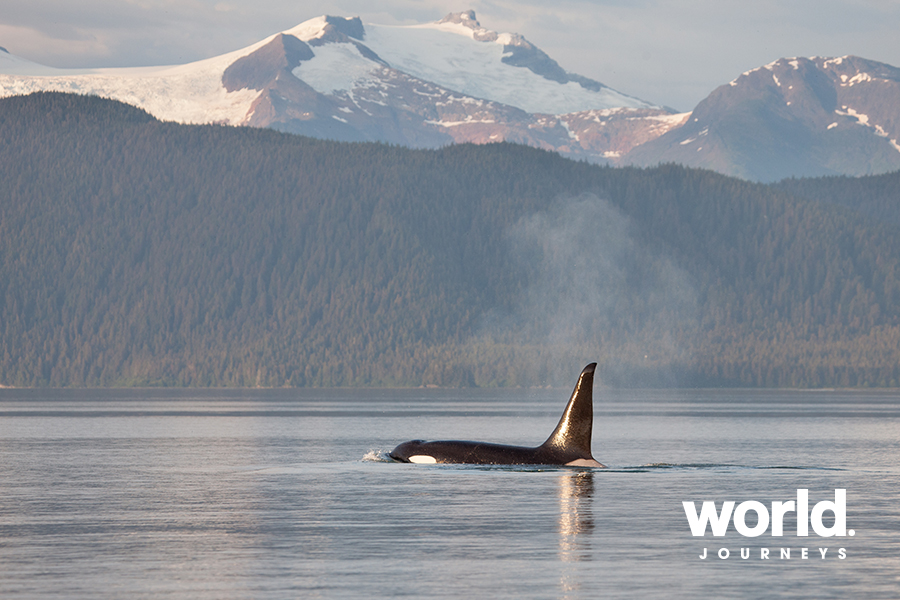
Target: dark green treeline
135	252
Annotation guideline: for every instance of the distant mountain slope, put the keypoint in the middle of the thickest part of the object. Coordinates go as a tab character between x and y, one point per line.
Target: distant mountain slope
791	118
421	86
134	252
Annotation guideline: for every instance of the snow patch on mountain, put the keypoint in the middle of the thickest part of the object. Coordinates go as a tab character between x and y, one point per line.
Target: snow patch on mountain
858	78
572	134
468	121
849	112
450	55
337	67
673	120
312	29
863	120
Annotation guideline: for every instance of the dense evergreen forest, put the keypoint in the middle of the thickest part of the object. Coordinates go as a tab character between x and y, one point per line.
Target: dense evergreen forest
137	252
876	197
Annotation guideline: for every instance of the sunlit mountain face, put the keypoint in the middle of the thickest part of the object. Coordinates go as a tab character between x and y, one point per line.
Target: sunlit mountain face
424	85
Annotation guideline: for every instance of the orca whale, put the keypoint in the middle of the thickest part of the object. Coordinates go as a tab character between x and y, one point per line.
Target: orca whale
569	444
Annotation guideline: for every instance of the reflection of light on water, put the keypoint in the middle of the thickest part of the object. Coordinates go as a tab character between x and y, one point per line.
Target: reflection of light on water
576	521
576	491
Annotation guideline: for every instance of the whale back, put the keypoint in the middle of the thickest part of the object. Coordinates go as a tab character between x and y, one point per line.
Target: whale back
572	436
569	444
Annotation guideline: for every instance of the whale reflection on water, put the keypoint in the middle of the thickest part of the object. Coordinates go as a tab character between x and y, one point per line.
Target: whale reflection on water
576	519
576	524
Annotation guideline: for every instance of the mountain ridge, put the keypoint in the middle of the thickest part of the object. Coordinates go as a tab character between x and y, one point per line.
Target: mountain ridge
455	81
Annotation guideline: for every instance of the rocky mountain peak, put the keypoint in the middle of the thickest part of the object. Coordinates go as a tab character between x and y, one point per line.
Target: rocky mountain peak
328	28
337	27
258	69
467	19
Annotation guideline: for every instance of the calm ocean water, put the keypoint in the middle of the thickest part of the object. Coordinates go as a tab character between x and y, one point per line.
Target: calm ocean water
286	494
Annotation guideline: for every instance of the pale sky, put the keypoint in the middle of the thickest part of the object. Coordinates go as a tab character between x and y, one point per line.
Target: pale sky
669	53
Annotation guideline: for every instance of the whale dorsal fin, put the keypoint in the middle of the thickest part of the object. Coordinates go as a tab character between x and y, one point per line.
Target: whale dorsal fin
572	435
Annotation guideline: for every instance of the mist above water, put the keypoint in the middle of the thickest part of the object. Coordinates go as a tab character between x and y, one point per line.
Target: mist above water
594	292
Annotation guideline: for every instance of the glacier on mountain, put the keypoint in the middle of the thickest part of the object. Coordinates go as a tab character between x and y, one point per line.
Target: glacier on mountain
446	54
455	53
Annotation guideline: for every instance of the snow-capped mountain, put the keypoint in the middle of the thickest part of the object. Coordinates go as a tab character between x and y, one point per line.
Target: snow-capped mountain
792	117
423	86
453	80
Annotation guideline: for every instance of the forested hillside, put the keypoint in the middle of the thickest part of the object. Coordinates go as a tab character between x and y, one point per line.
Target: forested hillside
135	252
876	197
